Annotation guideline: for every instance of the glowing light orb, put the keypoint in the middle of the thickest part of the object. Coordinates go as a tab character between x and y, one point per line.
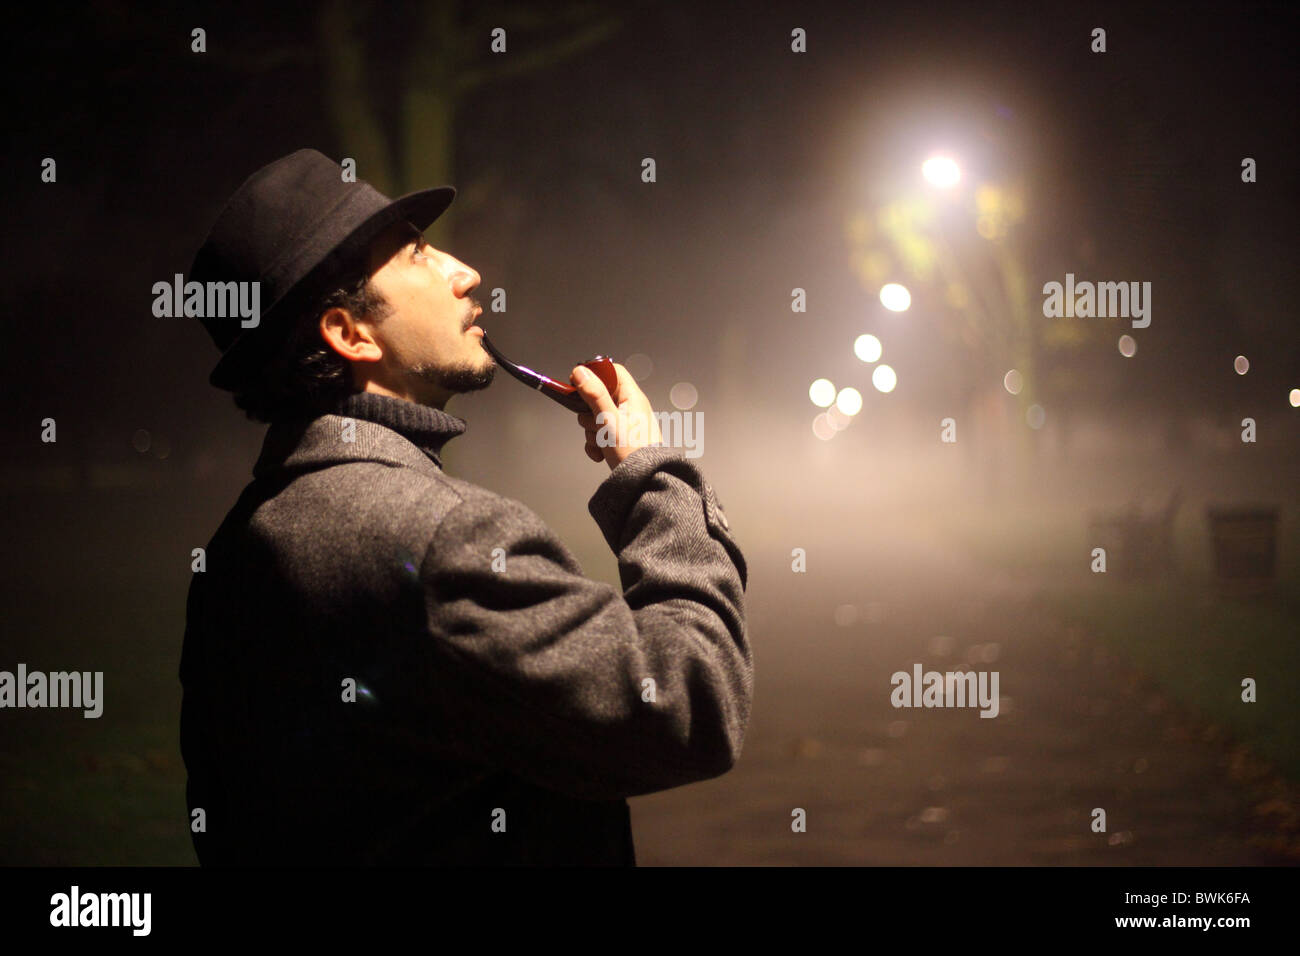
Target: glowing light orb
895	297
868	348
822	392
849	401
941	171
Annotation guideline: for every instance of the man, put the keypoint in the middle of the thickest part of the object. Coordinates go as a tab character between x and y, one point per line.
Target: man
384	664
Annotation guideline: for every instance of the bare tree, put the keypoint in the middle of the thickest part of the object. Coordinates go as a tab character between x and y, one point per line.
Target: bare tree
451	57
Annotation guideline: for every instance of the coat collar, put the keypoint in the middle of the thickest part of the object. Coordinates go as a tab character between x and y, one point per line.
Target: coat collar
425	427
383	429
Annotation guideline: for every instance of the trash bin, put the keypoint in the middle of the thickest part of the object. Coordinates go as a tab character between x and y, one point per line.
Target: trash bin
1244	541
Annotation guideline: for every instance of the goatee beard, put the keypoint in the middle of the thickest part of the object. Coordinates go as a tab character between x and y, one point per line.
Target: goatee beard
460	378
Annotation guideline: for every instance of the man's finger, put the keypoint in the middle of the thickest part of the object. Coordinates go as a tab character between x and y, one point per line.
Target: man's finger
625	381
593	390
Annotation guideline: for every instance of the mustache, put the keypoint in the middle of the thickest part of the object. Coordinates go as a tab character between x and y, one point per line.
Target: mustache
469	316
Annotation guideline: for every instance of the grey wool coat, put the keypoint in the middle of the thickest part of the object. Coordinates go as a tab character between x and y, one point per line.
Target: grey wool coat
387	665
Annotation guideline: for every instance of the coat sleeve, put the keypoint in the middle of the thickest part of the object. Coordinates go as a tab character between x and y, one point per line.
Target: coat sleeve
568	682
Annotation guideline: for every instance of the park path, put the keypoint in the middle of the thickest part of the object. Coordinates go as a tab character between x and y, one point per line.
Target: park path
1078	729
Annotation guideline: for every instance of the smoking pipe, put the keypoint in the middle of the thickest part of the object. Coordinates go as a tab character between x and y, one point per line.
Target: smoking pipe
567	395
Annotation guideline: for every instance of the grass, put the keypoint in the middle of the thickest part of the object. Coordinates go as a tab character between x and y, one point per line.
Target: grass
108	791
1195	645
90	797
1199	649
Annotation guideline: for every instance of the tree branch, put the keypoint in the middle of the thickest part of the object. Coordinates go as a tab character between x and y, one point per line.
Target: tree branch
537	59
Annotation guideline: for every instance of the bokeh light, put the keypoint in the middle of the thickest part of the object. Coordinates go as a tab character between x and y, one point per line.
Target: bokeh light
639	365
884	378
941	171
868	348
1127	346
822	392
1295	398
838	419
846	615
895	297
1241	364
683	395
1035	416
823	428
1013	381
849	401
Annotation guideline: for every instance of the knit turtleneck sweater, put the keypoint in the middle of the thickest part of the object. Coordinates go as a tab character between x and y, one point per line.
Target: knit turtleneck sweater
425	427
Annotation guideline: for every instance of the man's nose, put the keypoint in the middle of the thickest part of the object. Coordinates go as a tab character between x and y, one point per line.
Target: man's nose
464	278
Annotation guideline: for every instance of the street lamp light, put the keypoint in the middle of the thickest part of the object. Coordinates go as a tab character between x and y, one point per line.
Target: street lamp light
822	392
867	348
895	297
884	378
941	171
849	401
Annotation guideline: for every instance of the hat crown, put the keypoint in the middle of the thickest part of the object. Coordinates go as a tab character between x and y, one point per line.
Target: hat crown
266	214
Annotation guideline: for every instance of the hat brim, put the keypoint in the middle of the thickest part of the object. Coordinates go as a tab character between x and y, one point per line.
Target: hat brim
248	352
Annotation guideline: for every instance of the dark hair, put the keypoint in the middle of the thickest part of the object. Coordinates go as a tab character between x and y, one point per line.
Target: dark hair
305	377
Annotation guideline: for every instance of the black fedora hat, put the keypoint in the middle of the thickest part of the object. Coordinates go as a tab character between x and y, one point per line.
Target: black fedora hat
292	227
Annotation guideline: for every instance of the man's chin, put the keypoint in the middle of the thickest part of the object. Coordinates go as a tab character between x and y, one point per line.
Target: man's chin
482	378
464	378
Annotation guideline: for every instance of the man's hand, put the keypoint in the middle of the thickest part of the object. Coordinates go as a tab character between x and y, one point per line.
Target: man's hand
626	421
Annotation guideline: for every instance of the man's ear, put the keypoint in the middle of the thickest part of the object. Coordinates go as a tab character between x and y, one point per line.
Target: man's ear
350	338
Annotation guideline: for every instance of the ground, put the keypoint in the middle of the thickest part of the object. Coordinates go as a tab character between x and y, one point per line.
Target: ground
1104	704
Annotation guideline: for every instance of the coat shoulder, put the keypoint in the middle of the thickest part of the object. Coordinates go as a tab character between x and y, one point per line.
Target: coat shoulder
351	516
365	501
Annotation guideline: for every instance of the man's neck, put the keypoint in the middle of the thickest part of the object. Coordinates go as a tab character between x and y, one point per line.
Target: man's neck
436	398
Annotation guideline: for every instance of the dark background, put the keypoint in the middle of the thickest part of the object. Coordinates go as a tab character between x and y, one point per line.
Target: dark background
1125	691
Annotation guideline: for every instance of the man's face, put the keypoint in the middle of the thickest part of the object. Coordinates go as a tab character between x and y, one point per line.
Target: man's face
431	348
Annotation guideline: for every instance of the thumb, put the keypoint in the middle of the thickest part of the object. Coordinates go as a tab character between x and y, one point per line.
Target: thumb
628	389
594	392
